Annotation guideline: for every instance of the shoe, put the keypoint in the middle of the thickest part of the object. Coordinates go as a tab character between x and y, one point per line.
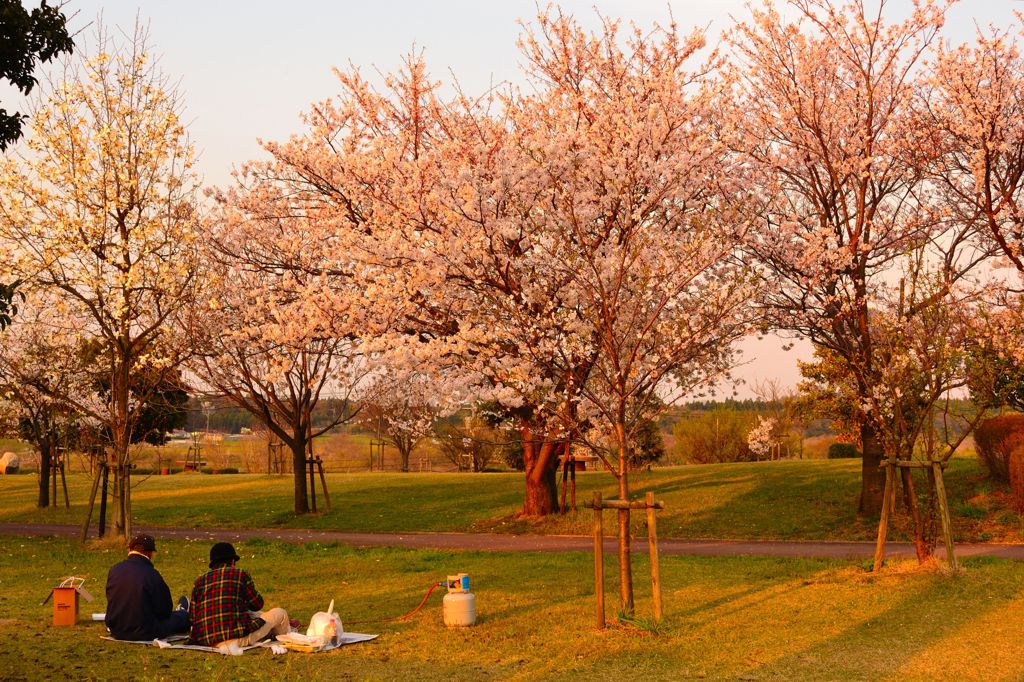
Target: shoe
183	603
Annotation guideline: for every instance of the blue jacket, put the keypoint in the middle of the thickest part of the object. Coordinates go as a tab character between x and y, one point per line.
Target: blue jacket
138	600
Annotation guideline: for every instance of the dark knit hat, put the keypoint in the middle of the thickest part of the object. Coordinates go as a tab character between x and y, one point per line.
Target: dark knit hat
142	543
222	553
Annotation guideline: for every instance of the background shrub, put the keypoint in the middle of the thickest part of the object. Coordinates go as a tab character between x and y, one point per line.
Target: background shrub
843	451
996	439
718	435
1016	470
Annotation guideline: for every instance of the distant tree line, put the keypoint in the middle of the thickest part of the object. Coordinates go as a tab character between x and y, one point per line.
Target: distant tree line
225	417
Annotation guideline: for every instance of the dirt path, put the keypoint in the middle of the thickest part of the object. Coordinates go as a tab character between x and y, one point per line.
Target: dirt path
495	542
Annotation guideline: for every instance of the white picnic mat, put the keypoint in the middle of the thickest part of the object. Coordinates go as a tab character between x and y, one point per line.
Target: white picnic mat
181	642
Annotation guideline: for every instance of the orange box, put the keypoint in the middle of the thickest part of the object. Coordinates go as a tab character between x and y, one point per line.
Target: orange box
65	605
65	602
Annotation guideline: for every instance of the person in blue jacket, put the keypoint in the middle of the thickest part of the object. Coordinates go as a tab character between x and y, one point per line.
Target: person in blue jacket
139	604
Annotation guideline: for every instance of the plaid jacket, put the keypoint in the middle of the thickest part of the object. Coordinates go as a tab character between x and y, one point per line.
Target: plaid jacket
221	600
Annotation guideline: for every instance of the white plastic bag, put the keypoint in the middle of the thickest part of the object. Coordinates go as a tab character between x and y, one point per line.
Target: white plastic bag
326	625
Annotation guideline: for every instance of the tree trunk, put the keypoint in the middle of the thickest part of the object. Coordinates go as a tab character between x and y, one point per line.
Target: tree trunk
541	463
911	505
121	507
931	520
298	448
872	477
625	559
126	499
45	461
120	435
404	446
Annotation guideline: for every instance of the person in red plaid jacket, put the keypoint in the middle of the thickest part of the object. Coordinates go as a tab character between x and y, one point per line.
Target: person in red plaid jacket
226	607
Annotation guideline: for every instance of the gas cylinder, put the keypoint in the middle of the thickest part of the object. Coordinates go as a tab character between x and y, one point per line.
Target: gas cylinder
459	606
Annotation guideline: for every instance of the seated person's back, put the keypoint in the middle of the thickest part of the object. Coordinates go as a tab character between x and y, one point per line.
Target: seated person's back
226	605
138	599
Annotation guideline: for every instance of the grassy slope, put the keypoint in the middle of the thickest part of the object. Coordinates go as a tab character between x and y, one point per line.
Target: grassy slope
726	618
797	500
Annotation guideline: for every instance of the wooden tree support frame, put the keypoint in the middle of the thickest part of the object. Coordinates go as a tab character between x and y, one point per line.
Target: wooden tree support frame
649	504
934	468
377	453
568	476
99	485
314	464
194	456
59	458
275	456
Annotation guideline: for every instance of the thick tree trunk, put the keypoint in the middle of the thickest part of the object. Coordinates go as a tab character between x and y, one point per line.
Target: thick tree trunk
872	477
404	446
541	463
119	493
298	448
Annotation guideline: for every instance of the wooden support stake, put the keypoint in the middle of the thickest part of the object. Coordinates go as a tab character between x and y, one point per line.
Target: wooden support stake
906	464
312	484
126	500
599	558
652	545
883	522
103	500
92	501
572	483
947	530
323	482
565	478
625	504
64	482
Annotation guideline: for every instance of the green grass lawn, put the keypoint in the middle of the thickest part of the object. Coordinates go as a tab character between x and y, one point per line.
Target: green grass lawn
343	451
725	618
793	500
15	446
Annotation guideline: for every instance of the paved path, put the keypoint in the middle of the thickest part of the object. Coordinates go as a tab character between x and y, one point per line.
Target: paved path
498	542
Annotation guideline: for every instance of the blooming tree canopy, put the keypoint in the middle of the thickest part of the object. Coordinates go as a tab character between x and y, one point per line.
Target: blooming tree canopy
275	336
831	131
98	207
568	245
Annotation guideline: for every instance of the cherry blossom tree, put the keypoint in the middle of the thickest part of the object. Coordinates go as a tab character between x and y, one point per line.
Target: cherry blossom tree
30	37
468	441
568	245
831	129
924	332
98	207
39	363
401	406
972	106
639	220
265	342
409	176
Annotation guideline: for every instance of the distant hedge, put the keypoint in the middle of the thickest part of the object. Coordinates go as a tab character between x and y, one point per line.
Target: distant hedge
996	439
843	451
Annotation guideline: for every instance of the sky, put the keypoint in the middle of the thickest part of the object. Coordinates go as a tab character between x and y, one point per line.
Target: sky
247	69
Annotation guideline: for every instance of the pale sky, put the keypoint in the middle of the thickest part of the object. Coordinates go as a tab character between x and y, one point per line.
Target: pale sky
248	68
